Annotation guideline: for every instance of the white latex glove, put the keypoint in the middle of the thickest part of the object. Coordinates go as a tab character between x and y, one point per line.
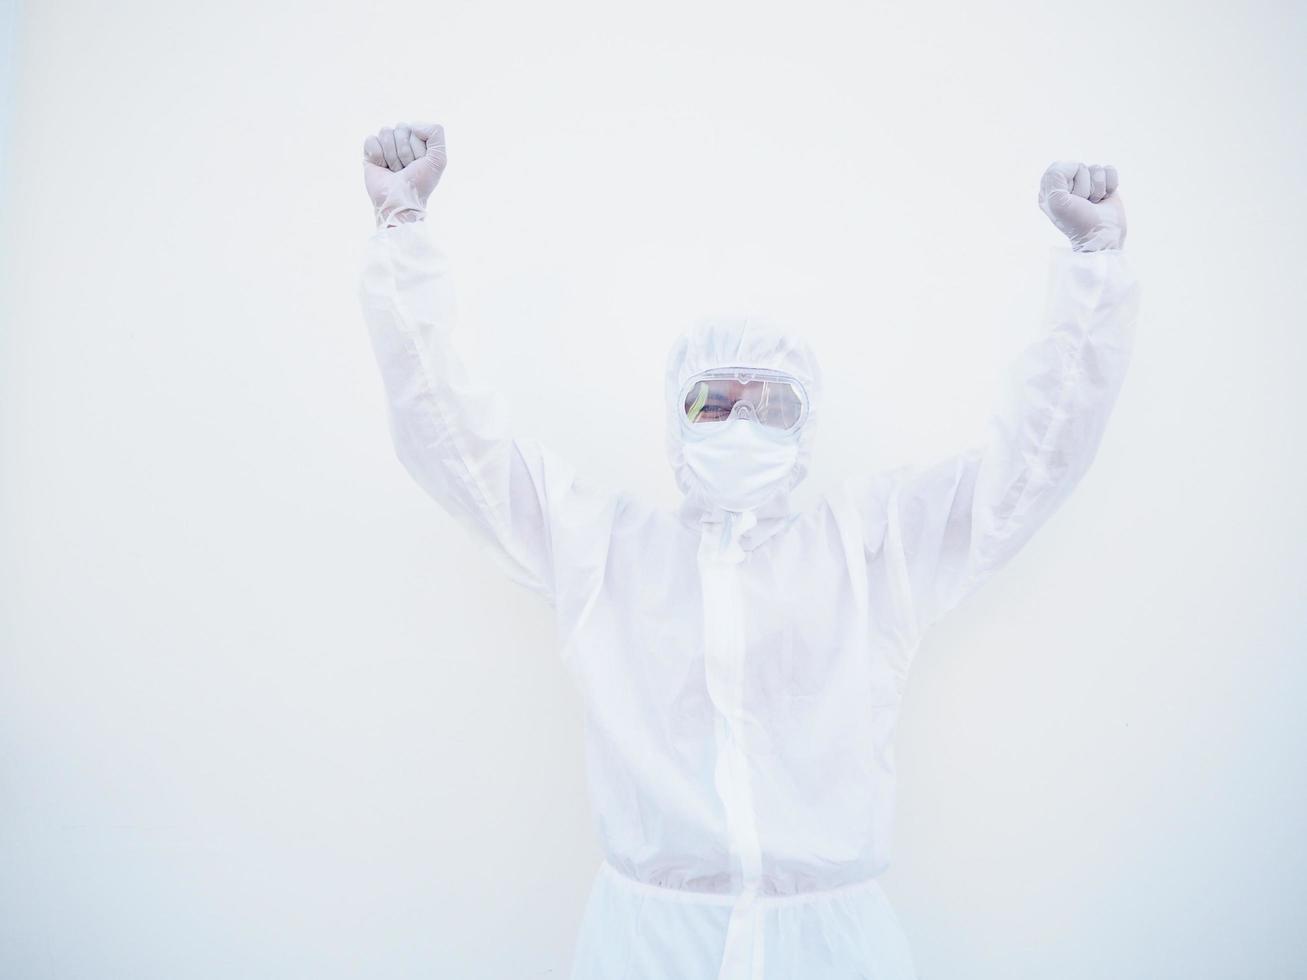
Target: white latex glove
401	167
1084	205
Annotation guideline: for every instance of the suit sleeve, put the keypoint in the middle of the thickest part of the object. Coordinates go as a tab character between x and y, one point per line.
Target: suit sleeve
452	435
950	525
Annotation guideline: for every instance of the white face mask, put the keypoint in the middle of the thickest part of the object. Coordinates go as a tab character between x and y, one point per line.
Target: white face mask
741	463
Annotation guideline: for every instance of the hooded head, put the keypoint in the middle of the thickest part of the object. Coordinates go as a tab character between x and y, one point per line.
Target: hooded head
740	464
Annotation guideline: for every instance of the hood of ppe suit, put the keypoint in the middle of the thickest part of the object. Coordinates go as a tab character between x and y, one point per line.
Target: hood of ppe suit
737	341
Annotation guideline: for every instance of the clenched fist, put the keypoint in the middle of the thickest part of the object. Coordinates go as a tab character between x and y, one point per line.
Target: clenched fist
1084	205
401	167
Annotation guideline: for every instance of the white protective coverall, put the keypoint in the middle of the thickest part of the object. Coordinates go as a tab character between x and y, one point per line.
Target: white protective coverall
741	673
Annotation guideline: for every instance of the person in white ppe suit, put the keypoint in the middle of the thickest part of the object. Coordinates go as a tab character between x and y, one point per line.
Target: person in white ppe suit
741	662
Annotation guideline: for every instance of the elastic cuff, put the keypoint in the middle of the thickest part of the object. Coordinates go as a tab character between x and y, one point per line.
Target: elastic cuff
1102	240
403	216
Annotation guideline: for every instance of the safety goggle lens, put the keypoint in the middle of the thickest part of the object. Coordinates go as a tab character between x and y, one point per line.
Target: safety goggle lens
777	404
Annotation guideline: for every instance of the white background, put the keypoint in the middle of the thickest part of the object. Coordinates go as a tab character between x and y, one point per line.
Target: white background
265	711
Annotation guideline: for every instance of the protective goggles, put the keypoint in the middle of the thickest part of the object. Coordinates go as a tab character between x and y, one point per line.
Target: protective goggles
771	398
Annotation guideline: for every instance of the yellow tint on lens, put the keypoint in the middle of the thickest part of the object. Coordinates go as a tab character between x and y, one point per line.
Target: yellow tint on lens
693	410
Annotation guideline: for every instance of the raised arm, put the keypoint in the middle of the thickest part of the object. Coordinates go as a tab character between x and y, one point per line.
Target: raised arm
950	525
450	434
